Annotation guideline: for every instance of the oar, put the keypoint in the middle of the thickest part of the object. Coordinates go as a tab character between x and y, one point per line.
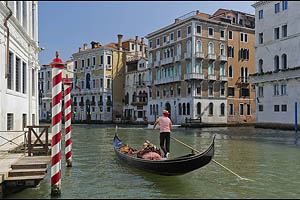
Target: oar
246	179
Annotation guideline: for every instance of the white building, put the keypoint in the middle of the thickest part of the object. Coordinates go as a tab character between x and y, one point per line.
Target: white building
277	60
19	80
45	88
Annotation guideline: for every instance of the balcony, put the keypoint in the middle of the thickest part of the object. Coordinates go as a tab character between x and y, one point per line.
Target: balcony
166	61
157	63
187	55
211	77
223	78
167	80
177	58
211	56
199	55
142	103
196	76
223	58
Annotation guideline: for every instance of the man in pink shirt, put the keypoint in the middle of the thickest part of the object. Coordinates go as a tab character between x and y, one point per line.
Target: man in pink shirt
165	129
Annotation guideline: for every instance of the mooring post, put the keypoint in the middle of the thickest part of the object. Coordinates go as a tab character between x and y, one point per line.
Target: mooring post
296	121
57	67
68	139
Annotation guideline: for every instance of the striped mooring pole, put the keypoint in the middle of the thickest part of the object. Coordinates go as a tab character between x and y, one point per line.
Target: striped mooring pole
57	67
68	139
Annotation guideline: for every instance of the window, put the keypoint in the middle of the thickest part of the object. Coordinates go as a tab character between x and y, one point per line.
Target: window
230	72
284	61
183	109
108	60
222	89
222	34
24	77
230	91
150	44
260	91
211	109
165	39
231	111
157	42
284	5
179	109
210	69
284	31
18	74
261	38
178	90
230	51
199	29
260	108
172	36
246	37
283	90
101	60
284	108
276	90
198	67
10	72
198	108
108	109
260	14
248	109
241	109
211	48
222	107
88	62
108	83
198	89
178	34
276	63
188	108
10	121
276	33
94	61
222	50
260	66
157	93
277	7
210	32
276	108
244	53
210	89
132	46
33	82
24	118
242	37
82	65
189	30
189	89
222	70
198	46
230	35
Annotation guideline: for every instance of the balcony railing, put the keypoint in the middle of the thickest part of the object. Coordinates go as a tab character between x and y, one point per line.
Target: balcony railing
167	80
211	77
142	103
199	55
149	65
177	58
196	76
166	61
223	58
223	78
187	55
211	56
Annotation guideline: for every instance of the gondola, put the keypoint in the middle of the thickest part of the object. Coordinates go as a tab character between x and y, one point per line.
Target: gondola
172	167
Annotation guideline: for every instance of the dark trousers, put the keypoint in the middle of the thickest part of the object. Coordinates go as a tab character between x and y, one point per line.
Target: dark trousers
165	142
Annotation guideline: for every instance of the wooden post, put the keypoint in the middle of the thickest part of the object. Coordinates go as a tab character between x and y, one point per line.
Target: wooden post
57	67
68	139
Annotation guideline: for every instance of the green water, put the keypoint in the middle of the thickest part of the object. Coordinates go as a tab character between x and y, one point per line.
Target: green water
269	157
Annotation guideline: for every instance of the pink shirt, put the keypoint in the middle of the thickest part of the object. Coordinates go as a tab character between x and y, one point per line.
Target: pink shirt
164	123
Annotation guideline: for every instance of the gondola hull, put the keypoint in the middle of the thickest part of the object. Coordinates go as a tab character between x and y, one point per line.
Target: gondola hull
172	167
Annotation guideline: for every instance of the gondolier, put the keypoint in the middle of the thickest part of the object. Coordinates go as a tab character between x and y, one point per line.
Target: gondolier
165	130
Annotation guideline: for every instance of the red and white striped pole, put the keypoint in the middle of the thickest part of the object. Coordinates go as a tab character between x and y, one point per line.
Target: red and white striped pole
68	139
57	67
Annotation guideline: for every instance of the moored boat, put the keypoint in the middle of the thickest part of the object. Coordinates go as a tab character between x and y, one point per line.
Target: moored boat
172	167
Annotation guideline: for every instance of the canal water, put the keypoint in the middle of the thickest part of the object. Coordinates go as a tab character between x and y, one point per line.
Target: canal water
270	157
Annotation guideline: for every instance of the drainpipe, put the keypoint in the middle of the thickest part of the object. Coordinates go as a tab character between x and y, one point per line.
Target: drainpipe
7	46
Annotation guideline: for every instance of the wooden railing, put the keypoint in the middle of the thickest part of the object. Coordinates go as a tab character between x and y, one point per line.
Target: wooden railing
32	147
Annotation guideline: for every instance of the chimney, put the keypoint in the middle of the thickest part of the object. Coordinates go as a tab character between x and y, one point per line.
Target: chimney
142	41
176	21
120	36
93	44
137	38
79	49
98	44
197	12
84	46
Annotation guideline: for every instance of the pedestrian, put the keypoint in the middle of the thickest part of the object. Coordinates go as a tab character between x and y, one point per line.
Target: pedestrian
165	129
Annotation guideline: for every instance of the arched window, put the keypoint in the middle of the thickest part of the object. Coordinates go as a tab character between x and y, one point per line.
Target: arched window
198	67
134	97
198	108
211	109
222	70
222	109
242	72
140	79
210	48
88	77
276	63
189	68
222	50
188	109
230	72
260	66
283	61
198	46
183	109
179	109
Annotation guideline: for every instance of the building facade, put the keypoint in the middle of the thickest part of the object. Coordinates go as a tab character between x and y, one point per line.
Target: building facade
277	61
240	36
45	88
100	79
19	67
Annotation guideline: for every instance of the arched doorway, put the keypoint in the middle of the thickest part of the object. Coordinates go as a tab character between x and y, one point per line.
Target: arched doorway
88	110
168	108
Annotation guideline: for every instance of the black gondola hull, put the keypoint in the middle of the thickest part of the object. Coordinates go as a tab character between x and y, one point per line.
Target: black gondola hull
177	166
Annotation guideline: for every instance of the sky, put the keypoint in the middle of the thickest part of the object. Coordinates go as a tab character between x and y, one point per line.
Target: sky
65	26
